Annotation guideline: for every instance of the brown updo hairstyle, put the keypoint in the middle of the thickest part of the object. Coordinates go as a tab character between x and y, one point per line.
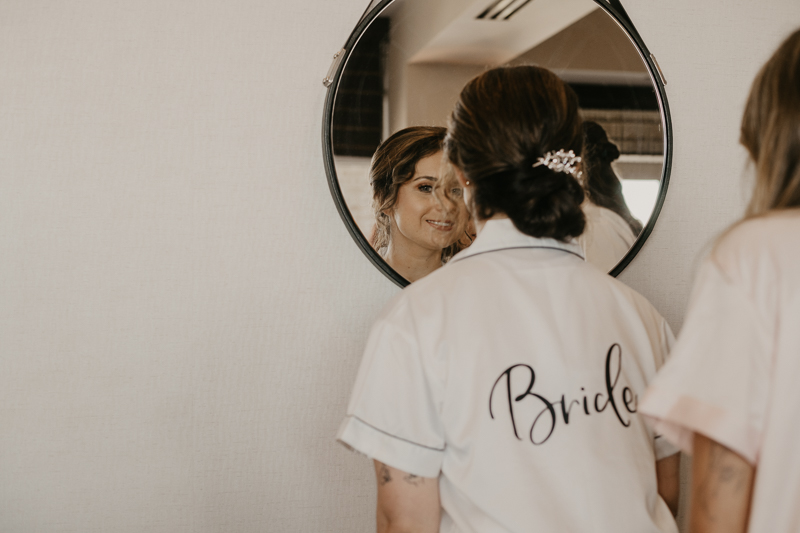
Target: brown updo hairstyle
771	130
504	120
601	183
393	164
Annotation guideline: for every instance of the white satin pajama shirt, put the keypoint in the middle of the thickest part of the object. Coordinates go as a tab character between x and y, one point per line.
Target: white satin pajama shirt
513	374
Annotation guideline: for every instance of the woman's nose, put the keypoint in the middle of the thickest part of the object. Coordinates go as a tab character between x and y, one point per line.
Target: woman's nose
445	202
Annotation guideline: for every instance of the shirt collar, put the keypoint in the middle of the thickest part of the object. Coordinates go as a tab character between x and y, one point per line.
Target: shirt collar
501	234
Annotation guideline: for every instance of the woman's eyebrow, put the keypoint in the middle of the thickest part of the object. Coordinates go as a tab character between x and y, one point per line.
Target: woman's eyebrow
431	178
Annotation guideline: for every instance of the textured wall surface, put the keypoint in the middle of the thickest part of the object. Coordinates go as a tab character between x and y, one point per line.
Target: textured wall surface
181	310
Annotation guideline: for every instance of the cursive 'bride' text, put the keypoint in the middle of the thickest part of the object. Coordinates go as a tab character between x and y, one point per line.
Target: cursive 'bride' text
544	421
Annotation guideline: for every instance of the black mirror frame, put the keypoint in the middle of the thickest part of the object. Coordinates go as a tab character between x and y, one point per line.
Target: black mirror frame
613	8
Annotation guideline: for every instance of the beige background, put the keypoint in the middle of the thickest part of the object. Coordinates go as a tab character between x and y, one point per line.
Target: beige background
181	310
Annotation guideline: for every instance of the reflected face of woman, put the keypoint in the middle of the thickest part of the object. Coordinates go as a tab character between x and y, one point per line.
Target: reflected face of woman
423	216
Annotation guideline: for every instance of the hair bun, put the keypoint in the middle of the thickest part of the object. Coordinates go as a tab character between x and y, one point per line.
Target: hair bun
609	152
553	205
597	143
539	201
501	119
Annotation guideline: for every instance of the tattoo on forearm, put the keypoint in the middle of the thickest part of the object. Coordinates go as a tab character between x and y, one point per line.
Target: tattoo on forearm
414	480
724	477
384	476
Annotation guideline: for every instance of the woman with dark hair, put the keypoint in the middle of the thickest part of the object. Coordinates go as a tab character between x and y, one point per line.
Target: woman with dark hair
417	226
500	392
603	186
611	230
730	395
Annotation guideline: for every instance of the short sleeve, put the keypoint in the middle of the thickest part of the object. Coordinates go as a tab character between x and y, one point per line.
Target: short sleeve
717	379
393	415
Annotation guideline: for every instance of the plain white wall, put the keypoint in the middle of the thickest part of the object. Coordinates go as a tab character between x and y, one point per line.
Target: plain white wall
181	310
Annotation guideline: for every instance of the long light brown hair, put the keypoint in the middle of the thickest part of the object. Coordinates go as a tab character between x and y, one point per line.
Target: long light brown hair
393	164
771	130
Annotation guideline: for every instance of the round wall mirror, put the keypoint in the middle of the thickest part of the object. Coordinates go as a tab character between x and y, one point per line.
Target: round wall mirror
406	62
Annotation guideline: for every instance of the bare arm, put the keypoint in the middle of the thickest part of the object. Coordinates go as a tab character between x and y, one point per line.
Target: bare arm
406	503
668	475
722	485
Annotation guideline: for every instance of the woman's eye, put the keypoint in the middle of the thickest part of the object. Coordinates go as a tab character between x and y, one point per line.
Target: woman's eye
426	188
457	192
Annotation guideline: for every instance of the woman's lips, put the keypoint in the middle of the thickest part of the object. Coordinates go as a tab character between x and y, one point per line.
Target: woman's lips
441	226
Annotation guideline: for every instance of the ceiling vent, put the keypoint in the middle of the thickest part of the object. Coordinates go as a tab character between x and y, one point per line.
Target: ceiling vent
502	9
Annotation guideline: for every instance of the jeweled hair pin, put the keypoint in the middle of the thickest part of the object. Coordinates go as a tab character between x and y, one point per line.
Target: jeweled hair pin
561	161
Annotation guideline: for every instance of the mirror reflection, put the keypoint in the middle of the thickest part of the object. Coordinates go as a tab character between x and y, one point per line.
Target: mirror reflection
402	80
420	219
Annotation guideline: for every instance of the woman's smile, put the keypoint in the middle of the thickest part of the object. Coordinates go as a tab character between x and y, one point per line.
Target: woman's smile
422	218
441	225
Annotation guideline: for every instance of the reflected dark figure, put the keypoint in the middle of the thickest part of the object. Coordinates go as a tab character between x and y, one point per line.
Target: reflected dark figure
611	230
603	187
